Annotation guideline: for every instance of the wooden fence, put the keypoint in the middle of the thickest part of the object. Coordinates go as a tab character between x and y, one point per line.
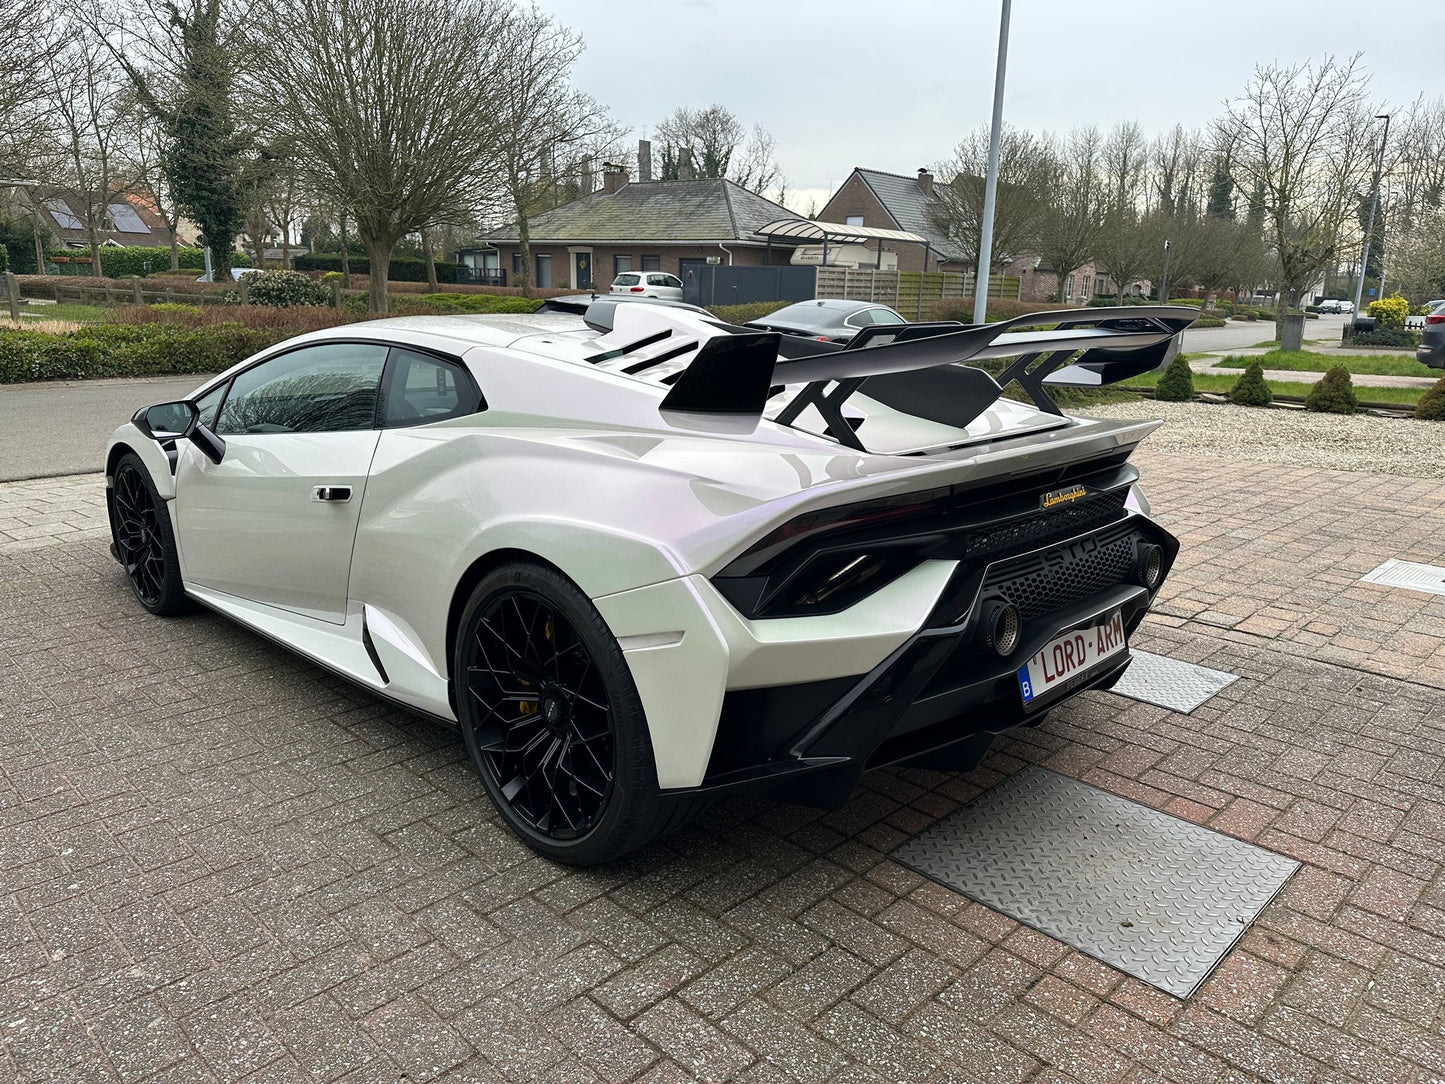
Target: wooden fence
912	293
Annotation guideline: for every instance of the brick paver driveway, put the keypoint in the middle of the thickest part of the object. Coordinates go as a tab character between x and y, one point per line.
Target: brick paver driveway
219	863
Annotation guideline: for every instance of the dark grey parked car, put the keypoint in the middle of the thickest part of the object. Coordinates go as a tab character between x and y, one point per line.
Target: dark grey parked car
1432	346
826	319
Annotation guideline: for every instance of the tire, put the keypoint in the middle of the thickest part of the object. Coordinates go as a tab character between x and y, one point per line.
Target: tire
145	545
581	810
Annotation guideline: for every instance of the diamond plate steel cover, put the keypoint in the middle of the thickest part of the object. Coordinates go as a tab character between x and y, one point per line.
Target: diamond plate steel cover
1179	686
1408	574
1150	894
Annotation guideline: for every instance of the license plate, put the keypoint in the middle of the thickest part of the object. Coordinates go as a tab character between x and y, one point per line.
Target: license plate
1070	654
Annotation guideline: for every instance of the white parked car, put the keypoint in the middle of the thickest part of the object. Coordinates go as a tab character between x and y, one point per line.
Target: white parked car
641	558
648	284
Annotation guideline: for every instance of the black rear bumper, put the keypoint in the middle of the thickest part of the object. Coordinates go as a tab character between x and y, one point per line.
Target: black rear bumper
939	700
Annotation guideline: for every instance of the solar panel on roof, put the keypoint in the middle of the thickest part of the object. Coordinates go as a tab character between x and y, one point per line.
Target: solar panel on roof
126	220
64	217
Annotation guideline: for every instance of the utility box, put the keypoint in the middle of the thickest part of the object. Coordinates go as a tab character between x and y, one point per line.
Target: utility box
1292	336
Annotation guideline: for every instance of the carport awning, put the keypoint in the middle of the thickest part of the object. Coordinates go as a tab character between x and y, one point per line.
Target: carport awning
804	229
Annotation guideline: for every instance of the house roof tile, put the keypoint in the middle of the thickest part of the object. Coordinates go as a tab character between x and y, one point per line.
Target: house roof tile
693	210
903	199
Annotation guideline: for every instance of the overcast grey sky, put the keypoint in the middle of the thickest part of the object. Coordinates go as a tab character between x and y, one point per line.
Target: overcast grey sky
893	84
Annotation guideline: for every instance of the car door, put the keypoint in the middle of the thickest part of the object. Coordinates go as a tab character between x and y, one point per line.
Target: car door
275	520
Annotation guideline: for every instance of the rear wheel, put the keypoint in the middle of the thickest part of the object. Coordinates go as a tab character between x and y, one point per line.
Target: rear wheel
552	719
140	525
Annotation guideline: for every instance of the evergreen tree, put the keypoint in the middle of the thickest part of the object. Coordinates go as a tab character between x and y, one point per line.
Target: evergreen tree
1177	383
1334	394
1250	389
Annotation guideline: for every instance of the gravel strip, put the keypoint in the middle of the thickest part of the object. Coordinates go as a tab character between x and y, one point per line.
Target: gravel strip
1359	442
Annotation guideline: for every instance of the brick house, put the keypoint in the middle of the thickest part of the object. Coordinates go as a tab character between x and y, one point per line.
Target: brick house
891	201
130	219
1039	282
669	226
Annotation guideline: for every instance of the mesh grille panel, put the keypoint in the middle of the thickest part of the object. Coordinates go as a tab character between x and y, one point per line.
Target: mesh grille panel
1053	580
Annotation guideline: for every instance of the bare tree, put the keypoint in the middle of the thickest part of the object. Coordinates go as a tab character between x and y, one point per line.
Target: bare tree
713	143
1069	230
544	128
391	103
27	44
1027	167
142	149
88	103
1300	143
755	166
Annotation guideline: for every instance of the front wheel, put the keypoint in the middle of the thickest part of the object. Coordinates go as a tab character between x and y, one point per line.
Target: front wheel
140	526
552	719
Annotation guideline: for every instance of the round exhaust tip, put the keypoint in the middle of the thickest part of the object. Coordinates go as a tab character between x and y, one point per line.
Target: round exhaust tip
1003	626
1151	566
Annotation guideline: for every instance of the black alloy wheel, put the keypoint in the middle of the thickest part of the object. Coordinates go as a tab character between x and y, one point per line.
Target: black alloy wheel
545	731
553	721
144	544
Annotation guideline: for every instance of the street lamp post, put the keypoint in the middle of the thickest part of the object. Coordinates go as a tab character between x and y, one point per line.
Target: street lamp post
990	184
1374	203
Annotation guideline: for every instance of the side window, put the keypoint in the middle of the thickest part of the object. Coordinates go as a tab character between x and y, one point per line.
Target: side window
209	403
885	316
327	388
861	318
669	280
421	388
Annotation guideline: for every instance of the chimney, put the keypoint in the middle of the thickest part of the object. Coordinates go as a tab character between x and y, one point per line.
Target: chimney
644	159
613	177
925	182
589	179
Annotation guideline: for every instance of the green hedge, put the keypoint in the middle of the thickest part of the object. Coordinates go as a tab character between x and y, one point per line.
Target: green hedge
119	263
401	268
128	350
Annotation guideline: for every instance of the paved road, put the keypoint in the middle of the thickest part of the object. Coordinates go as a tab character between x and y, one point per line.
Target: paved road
60	427
1240	334
219	863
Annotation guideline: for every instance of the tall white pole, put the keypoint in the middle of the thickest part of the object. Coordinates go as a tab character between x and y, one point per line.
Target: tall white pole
990	184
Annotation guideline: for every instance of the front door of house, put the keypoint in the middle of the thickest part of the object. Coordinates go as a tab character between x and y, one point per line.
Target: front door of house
583	267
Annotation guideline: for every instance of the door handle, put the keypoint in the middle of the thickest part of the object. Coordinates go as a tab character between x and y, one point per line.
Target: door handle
331	493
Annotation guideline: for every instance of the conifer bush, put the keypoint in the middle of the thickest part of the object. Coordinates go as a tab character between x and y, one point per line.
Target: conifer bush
1334	394
1431	407
1250	389
1177	383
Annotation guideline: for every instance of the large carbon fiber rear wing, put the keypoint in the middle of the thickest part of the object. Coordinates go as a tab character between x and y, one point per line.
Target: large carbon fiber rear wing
922	369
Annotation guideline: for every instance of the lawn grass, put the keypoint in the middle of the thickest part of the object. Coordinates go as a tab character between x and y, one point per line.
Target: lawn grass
1312	362
75	313
1221	383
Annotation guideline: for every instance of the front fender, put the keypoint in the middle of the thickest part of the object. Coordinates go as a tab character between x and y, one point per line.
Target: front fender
129	437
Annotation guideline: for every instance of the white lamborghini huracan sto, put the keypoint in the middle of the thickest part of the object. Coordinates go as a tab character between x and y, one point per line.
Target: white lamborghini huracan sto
641	557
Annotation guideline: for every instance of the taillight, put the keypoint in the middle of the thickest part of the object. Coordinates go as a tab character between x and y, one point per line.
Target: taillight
637	289
823	338
1435	318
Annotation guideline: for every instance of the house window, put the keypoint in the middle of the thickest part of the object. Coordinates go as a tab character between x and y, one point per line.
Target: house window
652	263
544	270
1084	290
621	264
1069	289
516	263
854	220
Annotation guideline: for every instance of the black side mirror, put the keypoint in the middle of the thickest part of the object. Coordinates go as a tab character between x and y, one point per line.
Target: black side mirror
170	421
180	420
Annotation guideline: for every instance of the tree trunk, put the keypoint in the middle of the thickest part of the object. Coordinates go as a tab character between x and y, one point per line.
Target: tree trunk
94	251
345	256
524	248
431	263
175	250
379	252
39	241
220	258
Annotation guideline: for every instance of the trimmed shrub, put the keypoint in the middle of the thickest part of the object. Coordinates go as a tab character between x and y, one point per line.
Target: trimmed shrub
756	310
280	288
1245	314
1250	389
127	350
127	262
1333	394
1431	407
401	268
280	322
1177	383
999	308
1208	321
1390	312
453	304
1387	336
